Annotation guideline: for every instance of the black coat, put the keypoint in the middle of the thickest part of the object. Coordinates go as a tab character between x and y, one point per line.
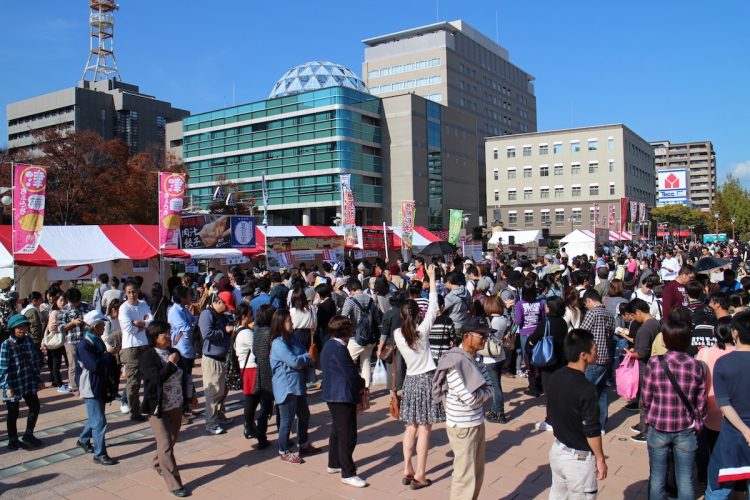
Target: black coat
155	373
558	329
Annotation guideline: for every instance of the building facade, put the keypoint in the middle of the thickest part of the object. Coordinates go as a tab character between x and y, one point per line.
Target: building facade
111	108
699	160
554	179
455	65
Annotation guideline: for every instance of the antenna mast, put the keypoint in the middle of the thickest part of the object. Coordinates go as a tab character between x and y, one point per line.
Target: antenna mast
101	64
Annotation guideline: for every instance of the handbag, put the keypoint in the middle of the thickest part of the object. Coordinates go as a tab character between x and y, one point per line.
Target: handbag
313	349
394	408
510	341
627	377
386	351
543	353
53	340
493	346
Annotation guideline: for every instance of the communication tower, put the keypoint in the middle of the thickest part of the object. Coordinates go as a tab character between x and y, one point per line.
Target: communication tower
101	64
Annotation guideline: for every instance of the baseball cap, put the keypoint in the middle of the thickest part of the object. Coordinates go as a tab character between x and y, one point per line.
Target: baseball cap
93	318
476	326
228	300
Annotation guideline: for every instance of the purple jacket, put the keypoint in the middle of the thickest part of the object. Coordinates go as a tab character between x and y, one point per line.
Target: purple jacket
527	315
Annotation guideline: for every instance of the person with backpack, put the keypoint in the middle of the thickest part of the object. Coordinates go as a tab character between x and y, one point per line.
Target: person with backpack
98	299
457	300
361	309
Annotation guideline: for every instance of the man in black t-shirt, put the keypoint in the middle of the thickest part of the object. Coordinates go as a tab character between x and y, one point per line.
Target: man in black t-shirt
576	457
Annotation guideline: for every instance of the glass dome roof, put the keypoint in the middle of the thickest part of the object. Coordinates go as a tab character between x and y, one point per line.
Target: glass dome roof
315	75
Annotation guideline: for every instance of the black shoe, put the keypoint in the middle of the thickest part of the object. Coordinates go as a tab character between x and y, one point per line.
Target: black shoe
15	444
632	406
533	394
249	432
263	444
639	438
87	447
105	460
636	428
181	492
32	441
137	418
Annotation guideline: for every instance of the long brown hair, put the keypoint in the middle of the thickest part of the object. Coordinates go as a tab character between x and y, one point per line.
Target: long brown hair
409	317
278	326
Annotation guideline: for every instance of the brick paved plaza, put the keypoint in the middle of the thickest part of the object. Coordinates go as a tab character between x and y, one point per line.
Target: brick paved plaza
226	466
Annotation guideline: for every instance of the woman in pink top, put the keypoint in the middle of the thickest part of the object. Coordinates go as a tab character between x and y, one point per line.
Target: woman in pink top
708	356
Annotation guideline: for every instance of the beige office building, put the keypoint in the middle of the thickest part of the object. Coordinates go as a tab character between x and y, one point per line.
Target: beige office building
555	178
699	159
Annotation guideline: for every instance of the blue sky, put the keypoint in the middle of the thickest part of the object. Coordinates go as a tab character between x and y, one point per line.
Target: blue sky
676	70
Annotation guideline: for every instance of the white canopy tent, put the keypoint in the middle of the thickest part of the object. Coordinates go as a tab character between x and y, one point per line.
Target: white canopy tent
520	237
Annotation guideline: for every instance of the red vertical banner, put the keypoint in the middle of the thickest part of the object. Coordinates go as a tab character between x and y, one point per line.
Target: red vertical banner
29	196
171	201
407	225
623	214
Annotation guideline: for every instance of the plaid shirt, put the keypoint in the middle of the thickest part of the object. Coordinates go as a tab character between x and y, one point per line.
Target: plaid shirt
664	408
601	324
69	313
16	373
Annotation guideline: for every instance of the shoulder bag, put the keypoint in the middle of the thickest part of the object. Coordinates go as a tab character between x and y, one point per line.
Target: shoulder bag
677	388
543	353
394	408
493	346
313	349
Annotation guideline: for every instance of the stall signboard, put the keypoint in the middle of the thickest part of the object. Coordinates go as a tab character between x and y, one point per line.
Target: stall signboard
217	231
290	243
140	266
373	239
243	232
714	238
191	266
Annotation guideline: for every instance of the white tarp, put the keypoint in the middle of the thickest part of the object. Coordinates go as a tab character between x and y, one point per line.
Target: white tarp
520	237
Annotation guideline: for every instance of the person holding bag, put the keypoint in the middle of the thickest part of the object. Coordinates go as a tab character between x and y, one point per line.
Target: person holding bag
304	324
493	355
243	346
54	341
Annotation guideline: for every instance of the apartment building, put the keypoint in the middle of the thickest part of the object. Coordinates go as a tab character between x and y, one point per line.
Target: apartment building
699	160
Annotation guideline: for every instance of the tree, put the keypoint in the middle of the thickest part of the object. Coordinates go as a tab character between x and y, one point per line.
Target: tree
682	216
733	202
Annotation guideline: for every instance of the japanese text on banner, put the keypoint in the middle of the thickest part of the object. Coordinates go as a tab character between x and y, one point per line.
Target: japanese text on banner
29	196
348	213
171	199
407	223
454	227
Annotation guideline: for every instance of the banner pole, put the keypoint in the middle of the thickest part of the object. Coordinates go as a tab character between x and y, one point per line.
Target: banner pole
13	219
385	242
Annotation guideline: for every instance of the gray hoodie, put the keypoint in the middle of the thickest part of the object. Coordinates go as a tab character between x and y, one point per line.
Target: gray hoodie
457	305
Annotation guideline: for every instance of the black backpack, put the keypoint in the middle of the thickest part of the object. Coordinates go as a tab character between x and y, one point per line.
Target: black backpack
367	329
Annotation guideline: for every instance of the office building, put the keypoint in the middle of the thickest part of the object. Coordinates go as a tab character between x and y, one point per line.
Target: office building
111	108
554	178
455	65
699	160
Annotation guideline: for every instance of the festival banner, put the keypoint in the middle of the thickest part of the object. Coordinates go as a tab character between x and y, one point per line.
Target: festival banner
611	215
623	213
372	239
205	231
243	231
633	211
171	200
596	214
643	211
29	195
348	210
454	226
408	209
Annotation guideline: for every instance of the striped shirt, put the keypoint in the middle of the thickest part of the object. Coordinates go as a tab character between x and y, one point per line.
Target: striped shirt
462	408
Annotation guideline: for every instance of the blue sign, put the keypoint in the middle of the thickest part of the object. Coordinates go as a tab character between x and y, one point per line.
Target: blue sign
712	238
243	231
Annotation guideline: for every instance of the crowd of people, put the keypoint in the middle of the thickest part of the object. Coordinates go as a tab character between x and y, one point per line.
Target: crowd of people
447	333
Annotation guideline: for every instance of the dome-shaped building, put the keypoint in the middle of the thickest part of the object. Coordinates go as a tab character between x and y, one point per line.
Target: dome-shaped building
316	75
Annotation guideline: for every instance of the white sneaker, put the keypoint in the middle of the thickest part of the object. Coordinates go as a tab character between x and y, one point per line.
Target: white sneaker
333	470
215	430
124	409
64	389
355	481
543	426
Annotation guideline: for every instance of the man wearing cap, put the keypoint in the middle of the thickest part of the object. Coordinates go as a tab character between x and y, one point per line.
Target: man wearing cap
20	365
134	317
461	383
97	376
217	341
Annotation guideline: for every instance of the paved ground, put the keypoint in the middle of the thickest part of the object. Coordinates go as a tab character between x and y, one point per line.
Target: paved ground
226	466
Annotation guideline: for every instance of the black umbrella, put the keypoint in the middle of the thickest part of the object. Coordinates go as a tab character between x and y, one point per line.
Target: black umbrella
710	263
438	248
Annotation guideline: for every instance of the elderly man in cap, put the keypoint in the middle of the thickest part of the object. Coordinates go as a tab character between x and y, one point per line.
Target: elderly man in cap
461	383
97	376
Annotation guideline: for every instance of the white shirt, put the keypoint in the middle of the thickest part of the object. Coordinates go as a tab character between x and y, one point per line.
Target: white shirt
134	336
303	319
674	267
419	360
243	344
652	301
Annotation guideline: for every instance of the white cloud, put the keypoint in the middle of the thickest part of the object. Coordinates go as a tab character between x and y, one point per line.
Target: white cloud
741	170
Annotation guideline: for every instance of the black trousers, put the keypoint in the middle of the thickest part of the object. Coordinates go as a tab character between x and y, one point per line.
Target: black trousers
14	408
54	361
251	404
343	438
188	363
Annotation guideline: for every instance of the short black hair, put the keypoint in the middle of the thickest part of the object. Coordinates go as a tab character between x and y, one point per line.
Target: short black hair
577	341
556	306
73	295
353	285
592	294
720	298
638	305
453	278
104	278
694	289
264	284
155	329
265	313
741	323
677	336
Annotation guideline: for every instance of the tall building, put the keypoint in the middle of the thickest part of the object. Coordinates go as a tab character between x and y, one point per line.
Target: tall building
554	178
698	159
111	108
455	65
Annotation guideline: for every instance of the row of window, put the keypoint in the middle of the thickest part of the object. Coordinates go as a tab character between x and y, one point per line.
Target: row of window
406	84
403	68
545	217
558	170
41	116
557	148
559	191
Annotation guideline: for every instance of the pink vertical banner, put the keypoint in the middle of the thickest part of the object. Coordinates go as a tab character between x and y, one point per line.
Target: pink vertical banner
171	201
611	216
29	196
633	211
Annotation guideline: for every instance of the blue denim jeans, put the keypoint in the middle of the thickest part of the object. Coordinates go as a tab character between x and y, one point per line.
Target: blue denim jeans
498	402
598	375
683	445
293	405
521	351
96	426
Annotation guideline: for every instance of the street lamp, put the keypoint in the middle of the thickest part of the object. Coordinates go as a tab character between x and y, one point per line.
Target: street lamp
716	216
733	221
692	238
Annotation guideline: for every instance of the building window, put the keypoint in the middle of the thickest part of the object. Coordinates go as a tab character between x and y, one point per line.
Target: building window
559	192
593	189
510	153
527	150
528	218
576	216
611	165
575	169
557	148
528	193
545	217
463	103
575	146
593	167
592	220
461	85
497	195
611	188
576	191
593	144
559	217
494	154
611	143
544	193
544	171
511	173
512	219
527	172
543	149
496	175
558	169
511	195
